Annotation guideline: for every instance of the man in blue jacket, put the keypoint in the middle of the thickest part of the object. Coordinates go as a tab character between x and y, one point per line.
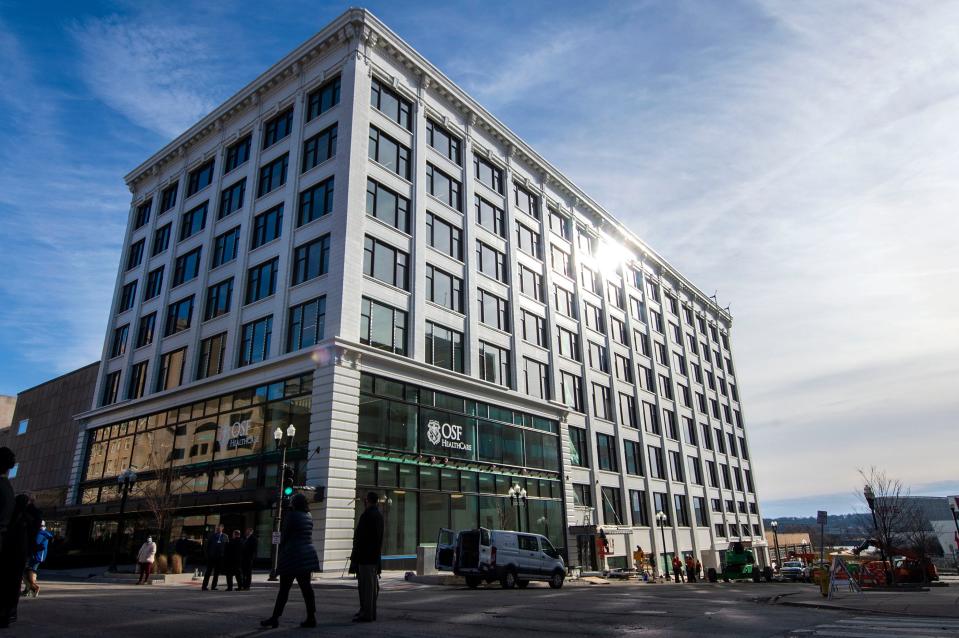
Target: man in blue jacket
39	555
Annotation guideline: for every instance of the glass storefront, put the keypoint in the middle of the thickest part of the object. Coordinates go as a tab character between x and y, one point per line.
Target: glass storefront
439	460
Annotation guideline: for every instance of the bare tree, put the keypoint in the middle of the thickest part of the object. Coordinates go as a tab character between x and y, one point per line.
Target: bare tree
158	494
888	501
919	537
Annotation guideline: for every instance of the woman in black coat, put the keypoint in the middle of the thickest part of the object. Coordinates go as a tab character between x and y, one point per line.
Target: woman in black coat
297	561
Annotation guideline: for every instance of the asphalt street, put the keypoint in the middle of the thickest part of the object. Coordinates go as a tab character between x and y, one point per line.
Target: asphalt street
414	610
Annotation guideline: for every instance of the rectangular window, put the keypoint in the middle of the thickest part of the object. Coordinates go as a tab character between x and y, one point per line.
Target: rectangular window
606	453
277	127
711	474
559	260
237	154
135	257
307	322
494	364
111	388
665	387
689	428
585	241
273	175
634	457
612	506
624	371
488	174
315	202
142	216
145	330
193	221
187	266
749	481
637	504
154	282
560	224
650	420
614	294
527	240
682	514
171	370
210	362
646	381
178	316
684	395
724	473
526	201
444	237
656	467
531	283
493	310
118	345
255	341
161	240
656	320
676	466
391	104
627	410
322	99
444	188
387	206
231	199
716	505
225	247
261	281
444	142
661	504
491	262
582	495
267	226
617	330
311	260
490	217
563	300
720	442
444	347
168	197
383	326
601	403
137	385
218	298
444	289
199	178
594	318
567	343
534	328
597	356
669	420
385	263
591	281
128	295
535	379
578	448
389	153
319	148
572	388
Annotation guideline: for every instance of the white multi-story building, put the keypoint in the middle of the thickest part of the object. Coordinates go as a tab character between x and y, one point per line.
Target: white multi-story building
353	245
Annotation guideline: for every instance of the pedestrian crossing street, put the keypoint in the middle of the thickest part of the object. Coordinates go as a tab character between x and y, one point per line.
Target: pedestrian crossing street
872	626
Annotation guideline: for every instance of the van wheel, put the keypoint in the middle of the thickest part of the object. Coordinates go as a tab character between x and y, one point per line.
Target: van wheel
556	580
522	583
473	582
508	581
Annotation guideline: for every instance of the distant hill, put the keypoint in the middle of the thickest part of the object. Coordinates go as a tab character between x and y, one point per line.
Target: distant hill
843	526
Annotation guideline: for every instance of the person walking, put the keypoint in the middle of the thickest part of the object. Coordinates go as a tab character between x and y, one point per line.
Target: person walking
39	555
145	558
699	569
677	569
297	561
8	601
17	545
250	542
231	561
365	559
215	548
690	569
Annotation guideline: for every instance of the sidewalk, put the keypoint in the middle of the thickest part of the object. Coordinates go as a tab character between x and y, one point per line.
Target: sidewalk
941	602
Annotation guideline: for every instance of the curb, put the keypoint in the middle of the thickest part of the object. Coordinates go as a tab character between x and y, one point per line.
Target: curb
823	605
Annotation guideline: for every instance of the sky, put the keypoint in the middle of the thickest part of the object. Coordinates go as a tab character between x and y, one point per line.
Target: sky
799	159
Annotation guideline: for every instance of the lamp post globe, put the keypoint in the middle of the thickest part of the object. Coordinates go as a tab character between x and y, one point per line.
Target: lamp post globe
277	434
291	431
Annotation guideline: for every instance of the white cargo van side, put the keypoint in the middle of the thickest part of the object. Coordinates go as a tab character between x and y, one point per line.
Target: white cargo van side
512	558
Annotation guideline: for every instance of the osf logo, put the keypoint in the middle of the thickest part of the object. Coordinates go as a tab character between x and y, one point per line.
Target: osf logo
446	435
434	432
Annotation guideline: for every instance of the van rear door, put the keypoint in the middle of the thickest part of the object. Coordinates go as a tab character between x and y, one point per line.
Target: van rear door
445	550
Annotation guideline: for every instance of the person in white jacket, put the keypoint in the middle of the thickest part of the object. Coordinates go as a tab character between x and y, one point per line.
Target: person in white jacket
145	558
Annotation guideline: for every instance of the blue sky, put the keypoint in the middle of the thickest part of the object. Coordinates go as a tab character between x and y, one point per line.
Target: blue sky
798	158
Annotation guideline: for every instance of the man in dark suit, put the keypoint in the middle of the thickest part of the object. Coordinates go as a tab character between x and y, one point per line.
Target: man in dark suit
215	550
249	555
365	560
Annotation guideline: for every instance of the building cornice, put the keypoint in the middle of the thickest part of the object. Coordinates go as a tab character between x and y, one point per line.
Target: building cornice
358	26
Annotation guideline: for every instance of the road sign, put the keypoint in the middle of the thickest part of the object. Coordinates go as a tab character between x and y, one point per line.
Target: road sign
820	517
276	538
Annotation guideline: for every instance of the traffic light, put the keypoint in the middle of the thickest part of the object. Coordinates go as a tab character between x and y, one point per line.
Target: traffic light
289	478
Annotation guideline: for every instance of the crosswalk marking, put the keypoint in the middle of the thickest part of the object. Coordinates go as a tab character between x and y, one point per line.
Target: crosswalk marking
872	626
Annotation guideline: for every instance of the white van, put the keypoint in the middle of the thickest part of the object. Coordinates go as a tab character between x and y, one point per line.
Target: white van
512	558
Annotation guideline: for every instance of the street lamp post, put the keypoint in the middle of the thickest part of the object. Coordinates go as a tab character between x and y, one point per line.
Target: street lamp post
870	497
283	444
126	479
661	519
517	495
779	560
